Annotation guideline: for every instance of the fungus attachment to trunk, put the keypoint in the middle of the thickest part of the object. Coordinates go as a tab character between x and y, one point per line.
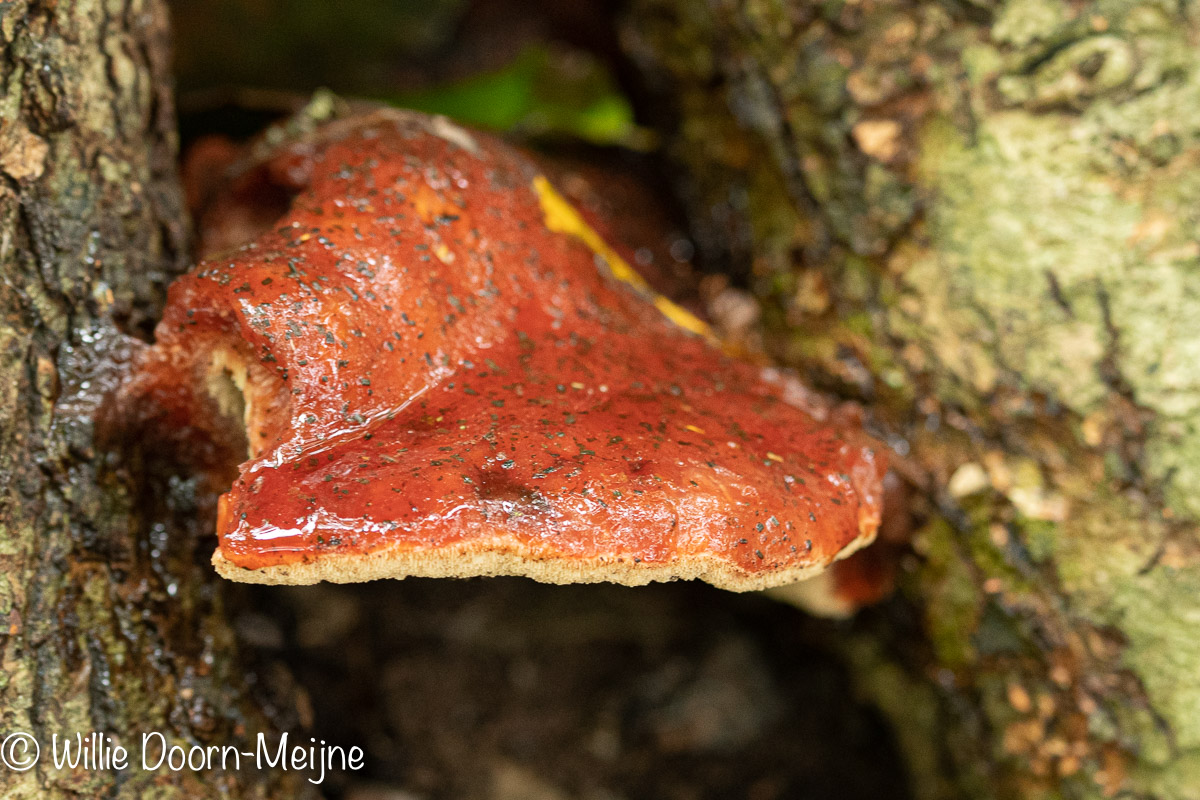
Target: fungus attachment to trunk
441	368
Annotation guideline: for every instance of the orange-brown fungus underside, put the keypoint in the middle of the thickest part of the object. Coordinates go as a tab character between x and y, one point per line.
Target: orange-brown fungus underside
440	373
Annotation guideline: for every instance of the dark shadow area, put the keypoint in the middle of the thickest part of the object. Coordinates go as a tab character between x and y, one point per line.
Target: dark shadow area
505	688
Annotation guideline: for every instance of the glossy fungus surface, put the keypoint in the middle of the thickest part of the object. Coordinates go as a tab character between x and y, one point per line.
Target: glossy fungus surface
442	369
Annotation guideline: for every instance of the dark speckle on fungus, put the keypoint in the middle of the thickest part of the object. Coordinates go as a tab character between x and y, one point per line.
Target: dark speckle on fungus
443	369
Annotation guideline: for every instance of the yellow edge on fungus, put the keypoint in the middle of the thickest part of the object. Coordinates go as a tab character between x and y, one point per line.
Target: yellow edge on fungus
561	217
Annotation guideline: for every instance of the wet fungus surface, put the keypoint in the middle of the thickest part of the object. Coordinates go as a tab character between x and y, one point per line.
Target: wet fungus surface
441	368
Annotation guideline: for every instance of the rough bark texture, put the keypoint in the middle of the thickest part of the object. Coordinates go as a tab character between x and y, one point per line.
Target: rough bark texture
980	219
110	624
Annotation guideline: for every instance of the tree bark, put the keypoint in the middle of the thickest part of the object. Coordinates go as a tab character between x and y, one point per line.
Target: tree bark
979	218
111	621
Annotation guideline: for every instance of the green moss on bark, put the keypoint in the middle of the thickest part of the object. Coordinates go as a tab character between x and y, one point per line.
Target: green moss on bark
979	220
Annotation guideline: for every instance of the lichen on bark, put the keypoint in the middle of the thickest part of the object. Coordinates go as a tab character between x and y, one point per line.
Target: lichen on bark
978	219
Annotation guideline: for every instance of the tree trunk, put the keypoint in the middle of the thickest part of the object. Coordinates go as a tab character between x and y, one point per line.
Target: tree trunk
979	218
111	621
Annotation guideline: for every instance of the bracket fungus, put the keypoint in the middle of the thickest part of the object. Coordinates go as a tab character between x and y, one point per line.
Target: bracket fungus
442	369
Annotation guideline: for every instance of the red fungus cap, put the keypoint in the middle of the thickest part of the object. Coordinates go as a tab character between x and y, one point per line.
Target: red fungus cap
443	370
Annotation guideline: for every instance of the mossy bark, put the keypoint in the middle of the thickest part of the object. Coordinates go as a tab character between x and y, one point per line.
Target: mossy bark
979	219
110	622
